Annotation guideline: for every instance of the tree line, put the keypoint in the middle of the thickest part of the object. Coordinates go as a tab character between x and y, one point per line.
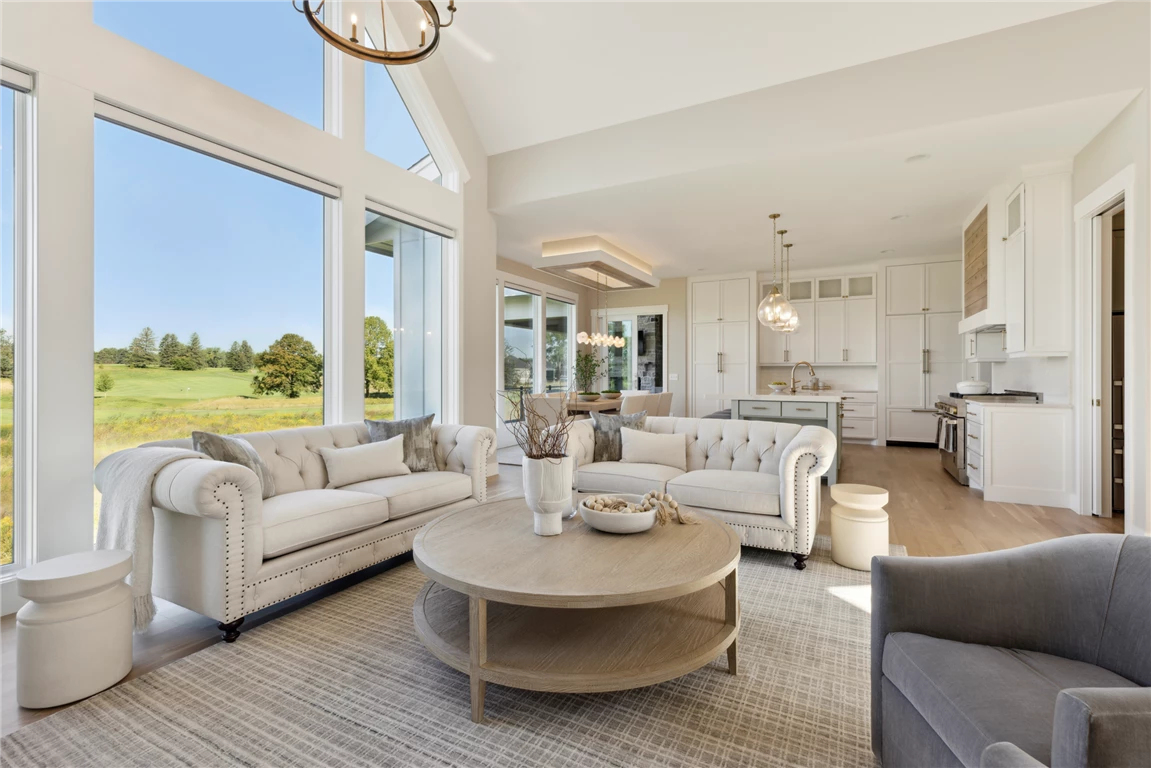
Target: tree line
290	366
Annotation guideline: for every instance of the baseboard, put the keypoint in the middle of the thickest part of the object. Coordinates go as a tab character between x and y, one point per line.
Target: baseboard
1042	497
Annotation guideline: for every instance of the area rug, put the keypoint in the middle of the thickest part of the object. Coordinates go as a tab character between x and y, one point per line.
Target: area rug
345	682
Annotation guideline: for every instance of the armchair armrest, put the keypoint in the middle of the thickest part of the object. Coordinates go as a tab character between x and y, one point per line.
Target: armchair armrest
465	449
1097	727
1004	754
207	488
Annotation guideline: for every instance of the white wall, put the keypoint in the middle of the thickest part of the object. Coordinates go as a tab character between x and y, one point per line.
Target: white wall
1127	141
75	63
1050	376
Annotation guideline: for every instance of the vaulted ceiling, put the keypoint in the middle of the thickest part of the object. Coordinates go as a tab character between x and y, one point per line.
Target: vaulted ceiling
671	129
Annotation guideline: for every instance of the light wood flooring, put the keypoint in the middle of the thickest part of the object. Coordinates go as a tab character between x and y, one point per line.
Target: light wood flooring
930	513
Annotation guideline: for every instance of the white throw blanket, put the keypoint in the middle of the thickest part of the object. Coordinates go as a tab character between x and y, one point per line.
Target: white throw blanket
126	518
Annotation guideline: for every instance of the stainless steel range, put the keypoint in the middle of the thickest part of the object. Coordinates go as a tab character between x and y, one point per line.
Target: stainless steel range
951	434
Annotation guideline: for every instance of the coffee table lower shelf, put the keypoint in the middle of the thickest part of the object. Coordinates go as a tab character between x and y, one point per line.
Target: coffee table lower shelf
576	650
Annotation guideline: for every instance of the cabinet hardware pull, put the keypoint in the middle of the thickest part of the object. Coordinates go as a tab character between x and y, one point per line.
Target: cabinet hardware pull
923	410
972	465
1119	480
973	437
719	362
804	409
1003	340
847	397
847	427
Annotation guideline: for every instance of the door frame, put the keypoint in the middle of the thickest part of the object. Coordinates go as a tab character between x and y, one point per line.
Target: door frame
1088	357
600	318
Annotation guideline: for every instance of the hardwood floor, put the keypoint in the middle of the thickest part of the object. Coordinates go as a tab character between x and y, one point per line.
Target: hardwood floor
930	513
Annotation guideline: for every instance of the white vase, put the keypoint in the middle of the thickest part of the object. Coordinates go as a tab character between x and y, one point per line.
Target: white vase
548	492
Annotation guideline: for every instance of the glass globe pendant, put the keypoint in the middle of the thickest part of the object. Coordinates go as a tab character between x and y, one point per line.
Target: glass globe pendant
792	323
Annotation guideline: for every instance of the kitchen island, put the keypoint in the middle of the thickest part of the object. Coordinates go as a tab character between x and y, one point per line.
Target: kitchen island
819	407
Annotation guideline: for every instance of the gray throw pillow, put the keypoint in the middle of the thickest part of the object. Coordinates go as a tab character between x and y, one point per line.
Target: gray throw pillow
235	450
419	447
606	427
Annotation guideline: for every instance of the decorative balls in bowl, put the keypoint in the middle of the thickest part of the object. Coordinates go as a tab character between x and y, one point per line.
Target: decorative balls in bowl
609	394
588	397
628	519
779	386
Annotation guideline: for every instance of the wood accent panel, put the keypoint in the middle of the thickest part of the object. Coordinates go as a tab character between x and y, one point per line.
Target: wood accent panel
975	265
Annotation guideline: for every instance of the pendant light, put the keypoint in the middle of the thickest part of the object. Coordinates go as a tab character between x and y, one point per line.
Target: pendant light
775	311
792	324
597	339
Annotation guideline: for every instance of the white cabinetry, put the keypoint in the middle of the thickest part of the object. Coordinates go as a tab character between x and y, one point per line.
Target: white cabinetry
1022	454
838	327
924	352
720	342
985	346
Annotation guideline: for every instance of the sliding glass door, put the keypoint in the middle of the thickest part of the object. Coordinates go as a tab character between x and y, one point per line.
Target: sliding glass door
642	361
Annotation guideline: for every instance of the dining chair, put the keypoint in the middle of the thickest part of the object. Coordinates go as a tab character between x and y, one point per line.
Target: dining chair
664	407
630	404
550	408
633	392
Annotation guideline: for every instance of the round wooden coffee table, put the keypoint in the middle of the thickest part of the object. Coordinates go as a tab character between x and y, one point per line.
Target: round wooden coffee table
576	613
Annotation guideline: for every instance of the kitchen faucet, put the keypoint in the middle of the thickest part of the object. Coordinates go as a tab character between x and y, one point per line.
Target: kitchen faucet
801	362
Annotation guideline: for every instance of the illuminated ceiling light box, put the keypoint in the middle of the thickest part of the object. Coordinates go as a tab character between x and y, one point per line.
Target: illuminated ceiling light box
596	263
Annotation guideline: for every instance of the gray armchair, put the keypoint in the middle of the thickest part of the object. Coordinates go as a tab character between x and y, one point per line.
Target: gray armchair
1035	656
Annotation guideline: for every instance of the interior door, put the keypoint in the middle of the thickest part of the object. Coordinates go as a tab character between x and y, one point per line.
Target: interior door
945	287
706	345
905	290
905	361
801	342
859	330
944	354
829	338
705	302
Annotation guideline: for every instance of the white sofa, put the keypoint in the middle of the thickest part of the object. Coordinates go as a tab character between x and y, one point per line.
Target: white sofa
223	551
760	477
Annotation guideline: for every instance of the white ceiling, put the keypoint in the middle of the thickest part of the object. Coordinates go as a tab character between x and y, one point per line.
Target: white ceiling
531	72
689	190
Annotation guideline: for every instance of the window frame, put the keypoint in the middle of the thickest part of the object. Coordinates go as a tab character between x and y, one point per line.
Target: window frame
539	327
23	336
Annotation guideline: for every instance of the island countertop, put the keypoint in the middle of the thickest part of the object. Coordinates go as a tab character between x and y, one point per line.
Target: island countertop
801	395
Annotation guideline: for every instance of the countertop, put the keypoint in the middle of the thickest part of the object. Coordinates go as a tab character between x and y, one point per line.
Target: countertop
1055	406
802	395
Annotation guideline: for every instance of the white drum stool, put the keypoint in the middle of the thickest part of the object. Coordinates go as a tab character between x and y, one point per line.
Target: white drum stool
74	637
858	525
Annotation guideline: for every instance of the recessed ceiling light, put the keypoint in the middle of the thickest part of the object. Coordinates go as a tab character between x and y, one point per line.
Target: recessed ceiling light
888	250
899	216
916	158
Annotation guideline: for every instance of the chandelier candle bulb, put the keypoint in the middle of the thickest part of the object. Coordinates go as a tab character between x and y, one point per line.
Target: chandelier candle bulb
354	40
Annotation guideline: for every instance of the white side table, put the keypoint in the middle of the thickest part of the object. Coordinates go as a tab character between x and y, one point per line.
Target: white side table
858	525
74	637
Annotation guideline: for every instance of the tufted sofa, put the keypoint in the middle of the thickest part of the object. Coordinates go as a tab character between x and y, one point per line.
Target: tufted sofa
223	551
760	477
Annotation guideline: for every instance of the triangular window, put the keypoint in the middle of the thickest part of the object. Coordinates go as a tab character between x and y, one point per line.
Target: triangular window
389	130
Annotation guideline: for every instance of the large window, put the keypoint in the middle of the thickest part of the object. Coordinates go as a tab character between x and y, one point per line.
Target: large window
8	246
209	295
403	345
520	310
265	50
537	331
558	336
389	131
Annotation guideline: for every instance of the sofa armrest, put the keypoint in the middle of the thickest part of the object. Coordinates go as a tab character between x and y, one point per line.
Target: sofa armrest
803	461
207	488
465	449
1004	754
1097	727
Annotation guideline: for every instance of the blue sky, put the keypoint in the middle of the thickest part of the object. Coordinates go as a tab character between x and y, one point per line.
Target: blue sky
185	242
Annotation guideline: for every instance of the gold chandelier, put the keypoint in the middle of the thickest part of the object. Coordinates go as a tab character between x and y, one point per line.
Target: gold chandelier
352	46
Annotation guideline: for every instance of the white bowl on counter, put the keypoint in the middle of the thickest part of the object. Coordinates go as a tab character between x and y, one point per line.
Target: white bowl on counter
779	388
618	522
972	387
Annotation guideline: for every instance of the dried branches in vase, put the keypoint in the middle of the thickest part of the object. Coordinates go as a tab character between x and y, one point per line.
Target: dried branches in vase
540	432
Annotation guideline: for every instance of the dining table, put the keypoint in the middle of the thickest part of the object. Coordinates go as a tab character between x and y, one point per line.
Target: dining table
598	406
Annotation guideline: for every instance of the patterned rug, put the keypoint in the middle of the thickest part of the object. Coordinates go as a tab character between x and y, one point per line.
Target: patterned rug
345	682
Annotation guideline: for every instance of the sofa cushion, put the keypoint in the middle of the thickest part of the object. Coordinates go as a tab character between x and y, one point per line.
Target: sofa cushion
606	427
975	695
235	450
755	493
409	494
365	462
617	477
296	520
419	442
649	448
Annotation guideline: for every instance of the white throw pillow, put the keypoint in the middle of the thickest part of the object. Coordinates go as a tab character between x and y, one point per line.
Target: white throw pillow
641	447
369	461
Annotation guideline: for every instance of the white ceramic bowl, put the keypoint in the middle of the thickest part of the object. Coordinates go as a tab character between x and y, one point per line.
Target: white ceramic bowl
618	522
777	388
972	387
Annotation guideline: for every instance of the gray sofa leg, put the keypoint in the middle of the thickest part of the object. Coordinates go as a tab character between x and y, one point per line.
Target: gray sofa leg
231	630
800	561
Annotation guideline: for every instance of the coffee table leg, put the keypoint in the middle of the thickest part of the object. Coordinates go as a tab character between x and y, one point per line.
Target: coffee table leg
478	630
732	617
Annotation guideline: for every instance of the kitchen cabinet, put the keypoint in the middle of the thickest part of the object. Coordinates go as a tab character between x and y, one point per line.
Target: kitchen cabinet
848	287
845	331
837	323
720	341
822	409
985	346
924	360
1022	454
860	410
829	331
787	348
918	288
